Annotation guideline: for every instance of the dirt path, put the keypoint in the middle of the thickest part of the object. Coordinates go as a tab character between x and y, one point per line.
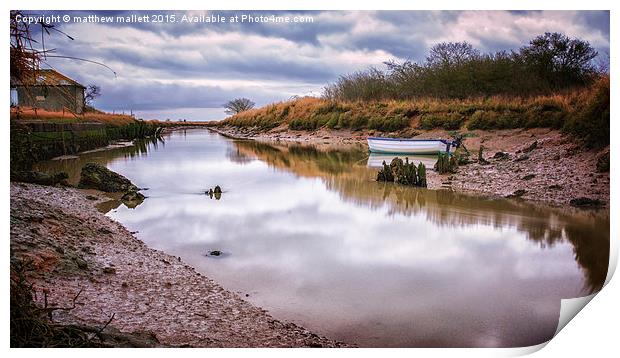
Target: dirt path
555	171
73	247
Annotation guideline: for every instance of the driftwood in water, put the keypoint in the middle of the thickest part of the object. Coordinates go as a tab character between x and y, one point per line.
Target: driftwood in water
214	193
403	173
446	163
385	174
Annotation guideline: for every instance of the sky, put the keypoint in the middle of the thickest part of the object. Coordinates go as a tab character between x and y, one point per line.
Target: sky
188	70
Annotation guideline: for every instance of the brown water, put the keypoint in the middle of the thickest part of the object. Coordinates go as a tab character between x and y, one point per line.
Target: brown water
310	236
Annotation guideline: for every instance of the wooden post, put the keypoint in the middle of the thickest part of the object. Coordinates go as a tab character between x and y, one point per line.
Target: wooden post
62	134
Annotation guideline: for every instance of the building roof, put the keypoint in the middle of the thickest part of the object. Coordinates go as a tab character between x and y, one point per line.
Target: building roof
49	77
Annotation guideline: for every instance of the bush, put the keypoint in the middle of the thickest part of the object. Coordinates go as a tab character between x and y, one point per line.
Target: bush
487	120
333	121
388	124
482	120
331	107
302	124
447	121
547	113
344	120
358	122
590	121
314	122
549	63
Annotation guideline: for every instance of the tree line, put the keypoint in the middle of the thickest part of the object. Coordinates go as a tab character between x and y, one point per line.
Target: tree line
548	63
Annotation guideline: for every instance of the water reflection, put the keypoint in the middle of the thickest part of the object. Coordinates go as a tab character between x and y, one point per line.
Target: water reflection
376	160
72	165
314	239
587	231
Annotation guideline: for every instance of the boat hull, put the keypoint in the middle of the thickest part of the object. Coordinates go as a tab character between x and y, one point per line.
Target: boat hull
408	146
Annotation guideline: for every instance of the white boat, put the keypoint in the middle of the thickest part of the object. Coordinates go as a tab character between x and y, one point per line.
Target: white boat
375	160
408	146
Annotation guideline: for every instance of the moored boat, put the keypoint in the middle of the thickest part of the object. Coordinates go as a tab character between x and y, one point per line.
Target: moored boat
409	146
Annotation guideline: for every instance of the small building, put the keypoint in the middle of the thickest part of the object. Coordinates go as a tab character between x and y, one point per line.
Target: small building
49	90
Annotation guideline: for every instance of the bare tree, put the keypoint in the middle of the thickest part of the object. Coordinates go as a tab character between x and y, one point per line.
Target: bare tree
92	92
238	105
451	53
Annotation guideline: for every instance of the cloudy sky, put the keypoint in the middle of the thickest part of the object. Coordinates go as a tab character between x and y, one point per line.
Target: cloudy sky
188	70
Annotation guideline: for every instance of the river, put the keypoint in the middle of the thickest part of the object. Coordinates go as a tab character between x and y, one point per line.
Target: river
307	234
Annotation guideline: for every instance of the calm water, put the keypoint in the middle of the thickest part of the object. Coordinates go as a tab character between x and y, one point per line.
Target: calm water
311	237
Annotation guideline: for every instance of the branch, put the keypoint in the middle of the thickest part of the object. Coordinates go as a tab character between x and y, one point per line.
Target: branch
85	60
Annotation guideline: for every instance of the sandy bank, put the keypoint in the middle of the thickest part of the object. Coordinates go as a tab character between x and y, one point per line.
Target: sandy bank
74	247
556	171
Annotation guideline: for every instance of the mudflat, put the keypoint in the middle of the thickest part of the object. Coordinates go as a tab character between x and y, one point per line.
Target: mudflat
74	249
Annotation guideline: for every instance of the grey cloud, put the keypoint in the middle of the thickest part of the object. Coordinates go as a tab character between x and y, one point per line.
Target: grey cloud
293	58
149	95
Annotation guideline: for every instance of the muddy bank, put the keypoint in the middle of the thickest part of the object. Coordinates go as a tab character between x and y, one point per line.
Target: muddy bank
539	164
75	248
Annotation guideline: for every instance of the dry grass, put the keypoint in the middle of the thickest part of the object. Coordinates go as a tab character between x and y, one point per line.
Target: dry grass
495	112
27	113
582	112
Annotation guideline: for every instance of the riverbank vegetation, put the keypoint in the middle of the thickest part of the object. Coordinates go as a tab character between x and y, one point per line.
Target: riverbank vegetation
551	83
39	114
39	134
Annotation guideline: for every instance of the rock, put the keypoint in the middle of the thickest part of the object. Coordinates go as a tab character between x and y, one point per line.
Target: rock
215	253
40	178
132	199
532	146
91	197
522	158
584	202
96	176
602	164
104	230
516	194
109	270
217	189
501	156
35	218
529	177
81	263
555	187
132	196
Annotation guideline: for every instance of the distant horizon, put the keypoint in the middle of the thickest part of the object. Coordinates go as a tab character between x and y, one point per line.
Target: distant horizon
179	114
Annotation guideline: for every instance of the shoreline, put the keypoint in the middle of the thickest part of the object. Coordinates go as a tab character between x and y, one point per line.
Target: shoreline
555	172
75	248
